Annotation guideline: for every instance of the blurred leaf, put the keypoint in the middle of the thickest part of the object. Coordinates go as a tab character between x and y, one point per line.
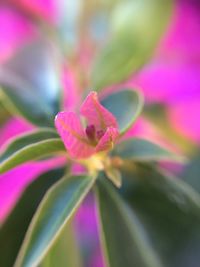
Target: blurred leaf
136	28
126	106
55	210
124	241
191	172
32	152
169	210
12	232
65	252
30	81
114	176
27	139
143	150
4	114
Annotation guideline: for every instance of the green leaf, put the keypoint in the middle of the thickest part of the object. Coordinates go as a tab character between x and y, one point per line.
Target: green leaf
124	241
190	172
126	106
13	230
65	251
30	81
136	28
27	139
54	212
4	114
32	152
143	150
168	209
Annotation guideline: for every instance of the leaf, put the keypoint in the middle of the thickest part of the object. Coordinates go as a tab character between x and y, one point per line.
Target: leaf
54	212
143	150
126	106
4	114
32	152
65	252
27	139
12	232
114	176
30	81
124	241
136	28
168	209
190	172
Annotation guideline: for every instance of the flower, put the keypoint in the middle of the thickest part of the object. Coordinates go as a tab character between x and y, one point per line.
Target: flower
99	135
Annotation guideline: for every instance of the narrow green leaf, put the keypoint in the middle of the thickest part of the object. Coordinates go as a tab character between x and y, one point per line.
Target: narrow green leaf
30	81
124	239
169	211
27	139
143	150
136	28
13	230
56	209
33	152
126	106
65	251
4	114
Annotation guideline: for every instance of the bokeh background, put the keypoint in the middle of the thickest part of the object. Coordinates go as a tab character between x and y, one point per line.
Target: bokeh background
77	31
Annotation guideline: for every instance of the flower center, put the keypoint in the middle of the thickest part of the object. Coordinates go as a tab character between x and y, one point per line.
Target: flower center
93	135
100	133
90	132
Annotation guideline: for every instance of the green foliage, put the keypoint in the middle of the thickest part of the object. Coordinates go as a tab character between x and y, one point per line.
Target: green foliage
31	152
136	27
30	82
137	149
27	139
151	219
125	243
64	252
13	230
191	171
169	211
58	206
126	100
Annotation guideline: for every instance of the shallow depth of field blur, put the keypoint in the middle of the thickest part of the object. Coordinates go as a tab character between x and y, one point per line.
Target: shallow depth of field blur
74	34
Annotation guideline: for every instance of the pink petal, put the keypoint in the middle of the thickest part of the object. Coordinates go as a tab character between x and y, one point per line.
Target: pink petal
96	114
177	80
183	37
44	9
15	31
185	118
70	129
107	140
71	89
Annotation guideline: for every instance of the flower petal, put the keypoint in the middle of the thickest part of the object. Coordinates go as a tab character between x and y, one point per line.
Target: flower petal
71	89
15	31
96	114
46	10
70	129
107	140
